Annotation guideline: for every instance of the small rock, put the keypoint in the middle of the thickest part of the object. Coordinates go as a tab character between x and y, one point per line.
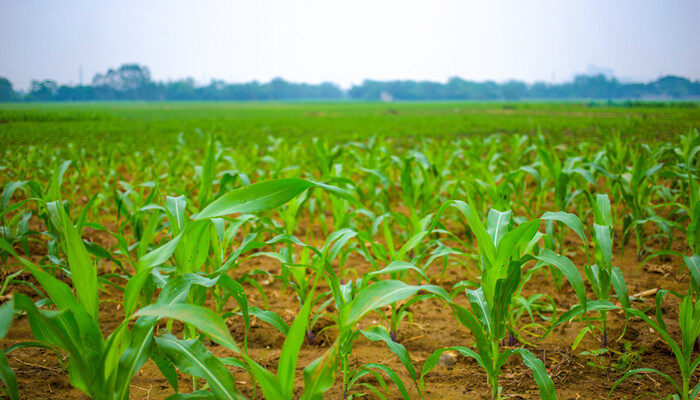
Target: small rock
448	358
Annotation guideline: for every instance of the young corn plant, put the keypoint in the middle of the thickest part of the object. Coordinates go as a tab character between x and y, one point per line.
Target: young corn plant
318	376
101	368
14	225
502	260
566	188
497	225
636	190
602	276
689	321
412	251
353	301
298	275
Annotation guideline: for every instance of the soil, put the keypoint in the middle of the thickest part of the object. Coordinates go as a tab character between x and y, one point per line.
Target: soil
40	375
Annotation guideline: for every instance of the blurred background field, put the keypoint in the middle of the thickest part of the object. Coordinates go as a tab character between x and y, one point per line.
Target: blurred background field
159	123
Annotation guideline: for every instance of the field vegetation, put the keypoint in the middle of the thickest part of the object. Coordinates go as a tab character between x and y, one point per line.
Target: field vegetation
349	250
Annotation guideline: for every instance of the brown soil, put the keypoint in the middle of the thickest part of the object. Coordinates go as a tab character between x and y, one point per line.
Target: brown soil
40	374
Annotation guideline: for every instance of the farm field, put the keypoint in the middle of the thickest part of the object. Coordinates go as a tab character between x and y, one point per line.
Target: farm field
350	250
87	124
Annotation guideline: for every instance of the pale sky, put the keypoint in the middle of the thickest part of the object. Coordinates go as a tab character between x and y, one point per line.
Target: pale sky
346	42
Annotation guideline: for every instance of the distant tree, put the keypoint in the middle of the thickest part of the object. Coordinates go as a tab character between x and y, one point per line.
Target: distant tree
75	93
514	90
184	89
130	81
675	86
43	90
6	91
133	82
279	89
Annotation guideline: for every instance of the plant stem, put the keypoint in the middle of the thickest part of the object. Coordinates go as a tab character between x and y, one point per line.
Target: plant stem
604	337
493	378
344	365
394	323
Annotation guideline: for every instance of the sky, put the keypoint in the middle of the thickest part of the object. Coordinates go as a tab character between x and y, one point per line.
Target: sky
348	41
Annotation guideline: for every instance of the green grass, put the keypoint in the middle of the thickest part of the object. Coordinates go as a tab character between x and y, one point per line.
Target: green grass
160	123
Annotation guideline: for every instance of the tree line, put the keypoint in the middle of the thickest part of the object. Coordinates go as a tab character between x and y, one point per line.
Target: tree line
134	82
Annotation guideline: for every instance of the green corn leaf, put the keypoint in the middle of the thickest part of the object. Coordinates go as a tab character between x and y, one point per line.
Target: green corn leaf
193	247
693	264
255	197
410	244
505	288
578	309
198	395
643	371
158	255
191	357
568	269
513	243
63	330
497	224
661	331
7	192
689	321
286	369
603	213
148	233
336	241
204	319
208	174
483	345
539	373
8	377
139	341
145	266
54	190
398	266
392	375
137	347
620	287
238	294
510	246
363	372
604	242
378	334
165	366
383	293
481	308
83	272
570	220
695	392
175	210
320	375
271	318
342	193
7	314
269	384
59	292
658	299
486	246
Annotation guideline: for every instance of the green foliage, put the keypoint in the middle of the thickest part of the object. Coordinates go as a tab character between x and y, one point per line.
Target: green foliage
358	234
